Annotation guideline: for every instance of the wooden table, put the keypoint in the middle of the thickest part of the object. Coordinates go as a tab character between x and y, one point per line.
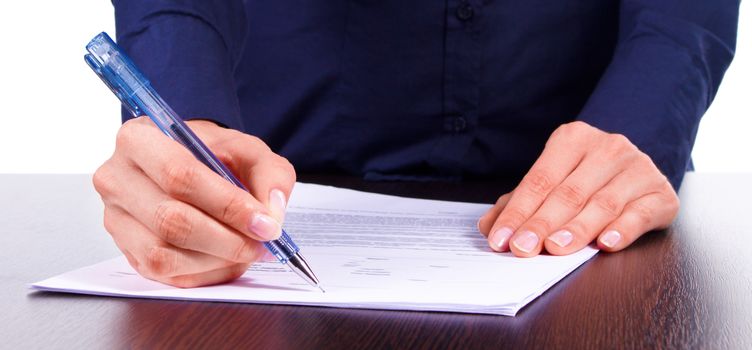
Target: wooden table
688	287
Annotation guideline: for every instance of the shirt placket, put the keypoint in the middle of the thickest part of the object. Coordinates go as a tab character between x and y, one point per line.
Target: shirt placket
462	69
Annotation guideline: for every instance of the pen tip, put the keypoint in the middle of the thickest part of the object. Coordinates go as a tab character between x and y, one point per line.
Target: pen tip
322	290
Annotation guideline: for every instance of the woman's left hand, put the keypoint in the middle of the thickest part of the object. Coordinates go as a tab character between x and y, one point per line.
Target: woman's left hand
587	184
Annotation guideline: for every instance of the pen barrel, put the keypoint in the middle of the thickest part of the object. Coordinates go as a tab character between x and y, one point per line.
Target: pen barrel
282	248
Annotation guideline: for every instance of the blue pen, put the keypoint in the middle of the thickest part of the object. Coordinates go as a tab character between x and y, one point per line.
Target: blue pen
128	83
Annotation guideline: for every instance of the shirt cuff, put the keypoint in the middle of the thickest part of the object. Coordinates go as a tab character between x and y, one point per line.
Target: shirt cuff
660	82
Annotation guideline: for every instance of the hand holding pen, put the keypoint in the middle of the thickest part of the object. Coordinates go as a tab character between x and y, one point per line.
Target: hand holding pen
179	223
167	209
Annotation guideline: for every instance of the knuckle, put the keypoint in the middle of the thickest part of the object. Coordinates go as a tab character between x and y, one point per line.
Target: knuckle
617	146
664	180
644	213
571	195
571	128
503	199
579	124
243	251
159	261
255	142
608	203
645	159
662	184
172	223
538	182
513	216
672	202
675	202
126	133
564	131
179	180
619	140
103	180
226	157
235	209
541	225
288	168
658	182
577	228
642	165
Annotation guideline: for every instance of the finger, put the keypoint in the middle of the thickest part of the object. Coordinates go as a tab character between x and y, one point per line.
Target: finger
489	217
174	169
561	155
602	208
155	259
217	276
269	177
568	198
654	211
180	224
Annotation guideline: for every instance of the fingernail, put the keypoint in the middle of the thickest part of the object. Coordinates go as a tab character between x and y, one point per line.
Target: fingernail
265	226
526	242
561	238
277	204
500	238
611	238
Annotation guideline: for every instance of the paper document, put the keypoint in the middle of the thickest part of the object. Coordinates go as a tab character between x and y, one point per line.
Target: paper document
369	251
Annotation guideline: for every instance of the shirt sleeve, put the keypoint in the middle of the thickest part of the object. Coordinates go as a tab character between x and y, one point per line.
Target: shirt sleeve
669	60
188	50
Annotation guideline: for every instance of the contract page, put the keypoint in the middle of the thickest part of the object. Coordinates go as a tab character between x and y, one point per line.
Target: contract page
369	251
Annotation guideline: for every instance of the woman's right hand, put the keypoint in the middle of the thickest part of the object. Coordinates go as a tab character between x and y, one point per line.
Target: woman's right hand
178	222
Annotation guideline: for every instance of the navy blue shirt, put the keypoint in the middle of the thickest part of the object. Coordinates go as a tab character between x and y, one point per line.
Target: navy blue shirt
409	89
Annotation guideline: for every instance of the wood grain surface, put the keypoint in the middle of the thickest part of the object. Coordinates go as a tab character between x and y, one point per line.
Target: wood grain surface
687	287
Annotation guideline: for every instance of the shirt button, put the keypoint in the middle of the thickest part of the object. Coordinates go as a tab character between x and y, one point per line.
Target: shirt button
455	124
465	11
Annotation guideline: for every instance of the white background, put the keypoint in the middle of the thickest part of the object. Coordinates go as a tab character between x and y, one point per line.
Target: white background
57	117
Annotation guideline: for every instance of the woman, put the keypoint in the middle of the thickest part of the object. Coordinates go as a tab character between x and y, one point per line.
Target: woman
590	106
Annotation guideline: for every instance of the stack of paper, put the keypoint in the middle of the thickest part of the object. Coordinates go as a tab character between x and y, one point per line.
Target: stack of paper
369	251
